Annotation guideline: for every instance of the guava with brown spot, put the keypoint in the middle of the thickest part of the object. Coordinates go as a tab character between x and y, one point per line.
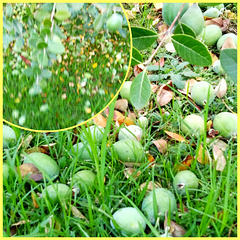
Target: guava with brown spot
185	179
129	220
226	124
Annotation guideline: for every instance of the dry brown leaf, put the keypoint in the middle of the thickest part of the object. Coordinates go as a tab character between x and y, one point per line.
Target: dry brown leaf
160	63
214	57
130	14
26	142
228	43
132	115
219	158
221	89
131	172
164	96
47	146
137	70
76	213
225	25
154	87
36	149
151	159
186	163
182	208
117	115
175	136
200	156
27	168
188	85
125	120
175	229
22	222
100	120
215	21
220	144
35	204
121	105
161	145
150	186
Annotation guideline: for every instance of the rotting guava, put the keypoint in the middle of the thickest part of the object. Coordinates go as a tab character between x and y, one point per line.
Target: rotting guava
165	201
193	125
226	124
129	220
114	23
210	34
223	38
84	178
185	179
217	67
199	93
46	165
9	136
56	191
129	150
170	11
125	90
193	18
131	132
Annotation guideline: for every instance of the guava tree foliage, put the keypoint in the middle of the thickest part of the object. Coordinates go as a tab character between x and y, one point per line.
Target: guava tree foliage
37	35
186	27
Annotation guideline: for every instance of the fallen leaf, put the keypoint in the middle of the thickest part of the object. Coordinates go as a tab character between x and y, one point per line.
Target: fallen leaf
26	142
100	120
215	21
28	62
151	159
200	156
35	204
76	213
27	168
175	229
182	208
121	105
137	70
132	115
117	115
161	145
164	96
131	172
219	158
36	149
170	47
150	186
221	89
214	57
130	14
188	86
186	163
228	43
154	88
160	63
125	120
175	136
220	144
47	146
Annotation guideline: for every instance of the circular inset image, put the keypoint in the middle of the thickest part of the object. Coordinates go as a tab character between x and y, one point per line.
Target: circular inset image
62	62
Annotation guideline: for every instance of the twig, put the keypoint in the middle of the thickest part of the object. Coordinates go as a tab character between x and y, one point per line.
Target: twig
166	33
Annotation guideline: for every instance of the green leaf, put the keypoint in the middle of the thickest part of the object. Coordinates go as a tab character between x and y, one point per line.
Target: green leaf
143	38
55	45
41	44
46	73
228	59
76	6
98	23
41	15
192	50
9	10
17	26
7	39
182	28
62	15
136	57
187	72
28	72
177	81
47	7
140	90
18	45
42	59
61	7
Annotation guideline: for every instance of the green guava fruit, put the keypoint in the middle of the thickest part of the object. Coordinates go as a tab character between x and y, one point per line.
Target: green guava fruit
96	133
46	165
193	18
129	220
131	132
56	191
170	11
143	122
129	150
125	90
165	202
217	67
212	13
210	34
222	39
192	125
199	93
84	178
5	172
83	151
9	136
185	179
114	23
226	124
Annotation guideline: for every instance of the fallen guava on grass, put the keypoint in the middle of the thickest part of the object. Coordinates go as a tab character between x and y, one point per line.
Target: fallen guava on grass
130	132
56	191
9	136
46	165
5	172
82	150
129	220
143	122
114	22
125	90
200	91
165	201
129	150
185	179
217	67
210	34
226	124
192	125
84	178
212	13
96	133
222	39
